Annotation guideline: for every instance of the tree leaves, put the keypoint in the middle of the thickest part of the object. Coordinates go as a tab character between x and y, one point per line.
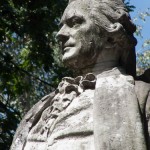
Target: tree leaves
129	7
27	67
143	61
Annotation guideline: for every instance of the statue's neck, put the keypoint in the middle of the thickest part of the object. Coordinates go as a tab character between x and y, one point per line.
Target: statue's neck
106	60
99	67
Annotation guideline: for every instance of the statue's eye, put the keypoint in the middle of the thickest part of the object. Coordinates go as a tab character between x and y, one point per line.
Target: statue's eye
75	21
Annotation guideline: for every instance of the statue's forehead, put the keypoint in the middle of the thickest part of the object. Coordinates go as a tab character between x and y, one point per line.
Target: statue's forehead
83	5
82	1
76	8
102	1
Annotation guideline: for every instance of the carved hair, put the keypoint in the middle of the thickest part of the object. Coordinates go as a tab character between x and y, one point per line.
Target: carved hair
111	14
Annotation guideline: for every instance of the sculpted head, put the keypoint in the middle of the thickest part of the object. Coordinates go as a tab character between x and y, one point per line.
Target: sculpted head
95	31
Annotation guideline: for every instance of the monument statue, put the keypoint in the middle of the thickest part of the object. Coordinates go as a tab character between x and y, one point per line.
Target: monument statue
105	107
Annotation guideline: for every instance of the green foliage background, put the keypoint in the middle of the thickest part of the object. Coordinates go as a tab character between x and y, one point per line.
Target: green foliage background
30	64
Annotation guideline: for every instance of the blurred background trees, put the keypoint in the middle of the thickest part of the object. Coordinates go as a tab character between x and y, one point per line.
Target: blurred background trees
143	55
30	64
29	58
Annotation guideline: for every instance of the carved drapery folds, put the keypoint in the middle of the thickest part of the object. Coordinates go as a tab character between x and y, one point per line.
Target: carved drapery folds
68	89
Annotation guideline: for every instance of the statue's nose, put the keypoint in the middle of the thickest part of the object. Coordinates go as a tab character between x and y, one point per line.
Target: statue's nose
63	34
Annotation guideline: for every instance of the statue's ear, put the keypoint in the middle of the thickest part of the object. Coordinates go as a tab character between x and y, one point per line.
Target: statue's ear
117	38
114	35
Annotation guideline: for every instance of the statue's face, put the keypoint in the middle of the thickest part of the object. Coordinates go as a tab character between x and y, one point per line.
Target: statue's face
78	35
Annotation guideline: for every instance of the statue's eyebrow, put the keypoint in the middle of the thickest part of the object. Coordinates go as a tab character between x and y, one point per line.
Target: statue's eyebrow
69	18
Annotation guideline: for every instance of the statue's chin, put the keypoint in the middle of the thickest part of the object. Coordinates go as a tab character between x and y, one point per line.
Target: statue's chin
77	62
70	62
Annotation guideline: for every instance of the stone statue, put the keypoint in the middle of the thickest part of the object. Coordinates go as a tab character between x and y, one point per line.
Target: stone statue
104	108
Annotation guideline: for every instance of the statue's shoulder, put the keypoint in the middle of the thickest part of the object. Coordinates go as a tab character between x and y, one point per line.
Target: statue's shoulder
29	120
115	78
142	83
142	89
145	77
52	108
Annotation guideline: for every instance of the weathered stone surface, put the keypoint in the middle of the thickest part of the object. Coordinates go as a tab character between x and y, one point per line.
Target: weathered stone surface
73	128
118	119
97	37
143	94
28	121
65	115
145	76
99	30
116	111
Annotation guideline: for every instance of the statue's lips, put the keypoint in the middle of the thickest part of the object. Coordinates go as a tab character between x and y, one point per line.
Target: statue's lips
67	48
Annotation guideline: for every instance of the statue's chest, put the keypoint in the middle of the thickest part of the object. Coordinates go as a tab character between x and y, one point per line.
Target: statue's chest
71	130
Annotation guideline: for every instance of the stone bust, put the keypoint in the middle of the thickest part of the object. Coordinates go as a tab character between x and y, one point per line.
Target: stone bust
104	108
